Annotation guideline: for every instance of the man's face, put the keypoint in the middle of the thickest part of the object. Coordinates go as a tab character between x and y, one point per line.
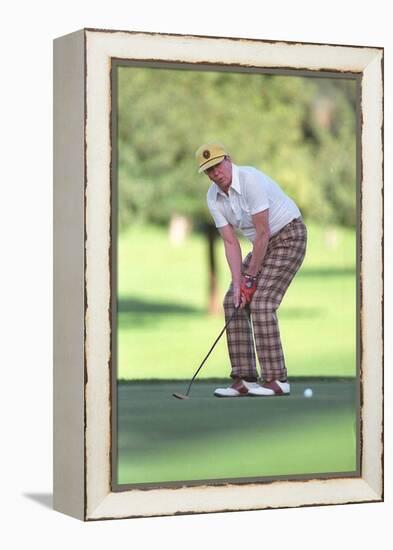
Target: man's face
221	174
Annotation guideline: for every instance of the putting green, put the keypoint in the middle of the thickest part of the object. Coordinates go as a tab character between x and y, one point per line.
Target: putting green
163	439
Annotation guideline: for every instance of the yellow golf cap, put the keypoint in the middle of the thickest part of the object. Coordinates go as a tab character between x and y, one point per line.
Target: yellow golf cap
209	154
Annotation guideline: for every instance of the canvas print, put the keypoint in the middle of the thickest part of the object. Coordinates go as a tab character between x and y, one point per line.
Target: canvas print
235	272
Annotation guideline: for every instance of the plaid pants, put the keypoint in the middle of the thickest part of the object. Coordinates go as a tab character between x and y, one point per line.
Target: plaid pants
283	258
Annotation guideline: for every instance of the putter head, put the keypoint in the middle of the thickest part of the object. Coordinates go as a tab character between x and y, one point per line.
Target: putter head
180	396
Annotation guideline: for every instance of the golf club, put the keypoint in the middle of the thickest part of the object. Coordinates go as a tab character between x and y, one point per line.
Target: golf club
185	396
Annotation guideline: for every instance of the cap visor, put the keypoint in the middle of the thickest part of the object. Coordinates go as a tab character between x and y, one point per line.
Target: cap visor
210	163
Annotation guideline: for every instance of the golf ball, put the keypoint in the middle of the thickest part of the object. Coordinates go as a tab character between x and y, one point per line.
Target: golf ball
308	392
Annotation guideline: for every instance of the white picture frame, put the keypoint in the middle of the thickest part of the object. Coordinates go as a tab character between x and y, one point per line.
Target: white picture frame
83	325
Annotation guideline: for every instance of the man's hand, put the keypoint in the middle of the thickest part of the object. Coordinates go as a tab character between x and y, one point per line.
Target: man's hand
248	288
238	299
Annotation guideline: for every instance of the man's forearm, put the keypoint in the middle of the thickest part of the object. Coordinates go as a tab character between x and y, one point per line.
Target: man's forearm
258	253
233	254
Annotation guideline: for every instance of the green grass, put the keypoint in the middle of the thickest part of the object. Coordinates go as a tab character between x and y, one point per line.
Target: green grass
163	328
162	439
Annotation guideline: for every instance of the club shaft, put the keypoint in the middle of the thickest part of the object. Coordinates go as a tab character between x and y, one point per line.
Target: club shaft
211	349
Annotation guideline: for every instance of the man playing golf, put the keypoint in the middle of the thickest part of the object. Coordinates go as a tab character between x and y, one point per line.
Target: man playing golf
244	198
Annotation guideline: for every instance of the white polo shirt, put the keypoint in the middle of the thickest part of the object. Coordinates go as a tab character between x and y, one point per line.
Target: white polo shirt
251	191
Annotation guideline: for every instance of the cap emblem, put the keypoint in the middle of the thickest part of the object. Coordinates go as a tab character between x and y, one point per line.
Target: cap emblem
206	154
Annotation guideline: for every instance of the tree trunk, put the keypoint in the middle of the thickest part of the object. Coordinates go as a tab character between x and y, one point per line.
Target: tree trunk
211	235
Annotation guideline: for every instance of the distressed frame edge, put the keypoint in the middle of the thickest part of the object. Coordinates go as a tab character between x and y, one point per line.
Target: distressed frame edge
236	38
362	493
372	285
375	495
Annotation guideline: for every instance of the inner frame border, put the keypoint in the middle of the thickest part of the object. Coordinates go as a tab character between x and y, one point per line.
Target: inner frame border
163	64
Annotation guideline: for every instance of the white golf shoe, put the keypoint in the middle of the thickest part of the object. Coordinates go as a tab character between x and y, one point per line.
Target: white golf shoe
239	388
268	389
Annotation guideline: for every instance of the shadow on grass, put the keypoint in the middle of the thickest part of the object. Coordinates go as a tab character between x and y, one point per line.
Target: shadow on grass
134	311
138	312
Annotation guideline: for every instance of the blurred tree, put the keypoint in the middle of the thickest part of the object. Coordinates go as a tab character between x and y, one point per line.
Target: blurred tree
334	150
